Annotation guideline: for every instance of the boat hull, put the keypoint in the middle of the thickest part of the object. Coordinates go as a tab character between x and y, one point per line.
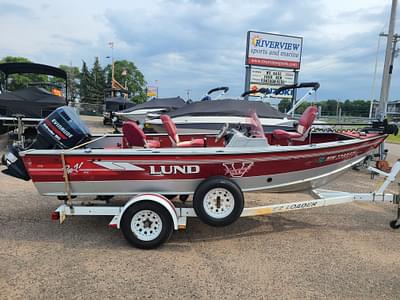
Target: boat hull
180	171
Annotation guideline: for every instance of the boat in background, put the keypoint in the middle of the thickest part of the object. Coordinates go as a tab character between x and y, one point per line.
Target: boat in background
114	104
155	107
26	107
115	100
210	116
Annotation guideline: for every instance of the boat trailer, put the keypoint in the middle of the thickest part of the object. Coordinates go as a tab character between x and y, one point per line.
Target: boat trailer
147	220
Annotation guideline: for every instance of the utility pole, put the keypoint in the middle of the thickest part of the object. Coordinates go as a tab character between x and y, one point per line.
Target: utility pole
111	44
387	71
388	67
156	83
188	94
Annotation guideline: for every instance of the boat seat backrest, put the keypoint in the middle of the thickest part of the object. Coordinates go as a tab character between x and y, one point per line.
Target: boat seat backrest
307	119
170	128
303	127
133	134
173	134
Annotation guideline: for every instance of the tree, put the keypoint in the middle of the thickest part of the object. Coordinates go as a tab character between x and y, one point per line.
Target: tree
73	83
302	107
85	82
126	73
330	107
18	81
97	83
284	105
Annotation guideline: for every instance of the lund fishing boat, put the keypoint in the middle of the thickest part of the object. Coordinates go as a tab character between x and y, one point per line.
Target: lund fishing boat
65	161
133	163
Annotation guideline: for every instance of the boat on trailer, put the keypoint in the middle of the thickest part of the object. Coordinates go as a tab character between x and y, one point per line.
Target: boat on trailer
67	162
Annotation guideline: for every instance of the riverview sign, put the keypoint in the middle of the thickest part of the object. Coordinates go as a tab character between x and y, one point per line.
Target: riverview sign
273	50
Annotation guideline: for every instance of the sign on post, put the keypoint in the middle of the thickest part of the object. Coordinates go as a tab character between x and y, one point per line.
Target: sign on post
152	91
272	79
273	50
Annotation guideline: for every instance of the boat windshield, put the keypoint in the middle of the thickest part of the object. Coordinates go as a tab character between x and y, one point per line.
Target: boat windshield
256	126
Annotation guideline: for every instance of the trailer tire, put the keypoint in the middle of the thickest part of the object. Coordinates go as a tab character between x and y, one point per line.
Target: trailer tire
218	201
146	225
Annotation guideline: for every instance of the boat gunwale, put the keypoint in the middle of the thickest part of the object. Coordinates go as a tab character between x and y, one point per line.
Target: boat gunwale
200	150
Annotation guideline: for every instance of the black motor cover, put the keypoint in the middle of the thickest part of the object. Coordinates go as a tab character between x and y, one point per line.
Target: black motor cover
61	129
390	128
382	127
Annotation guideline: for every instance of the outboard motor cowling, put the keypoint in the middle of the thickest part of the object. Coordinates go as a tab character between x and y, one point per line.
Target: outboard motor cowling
61	129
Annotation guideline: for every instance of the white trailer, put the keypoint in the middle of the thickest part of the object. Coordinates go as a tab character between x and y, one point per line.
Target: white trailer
148	220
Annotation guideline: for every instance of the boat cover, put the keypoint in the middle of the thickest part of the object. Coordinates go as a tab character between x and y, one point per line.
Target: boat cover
168	103
32	102
117	104
228	107
25	67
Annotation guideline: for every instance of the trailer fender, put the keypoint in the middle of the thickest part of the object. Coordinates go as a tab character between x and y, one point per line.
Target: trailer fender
169	206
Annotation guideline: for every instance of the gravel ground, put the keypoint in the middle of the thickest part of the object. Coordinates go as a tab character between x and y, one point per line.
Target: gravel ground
345	251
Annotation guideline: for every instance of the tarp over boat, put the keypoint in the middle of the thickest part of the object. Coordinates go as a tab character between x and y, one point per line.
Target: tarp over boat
32	102
25	67
168	103
117	104
228	107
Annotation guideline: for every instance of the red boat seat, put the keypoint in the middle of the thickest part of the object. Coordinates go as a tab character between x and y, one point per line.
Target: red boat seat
174	137
133	135
303	127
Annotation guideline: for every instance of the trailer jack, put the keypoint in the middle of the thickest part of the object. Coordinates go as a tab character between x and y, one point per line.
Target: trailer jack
395	224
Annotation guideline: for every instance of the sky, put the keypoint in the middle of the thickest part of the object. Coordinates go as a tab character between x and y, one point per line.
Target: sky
196	45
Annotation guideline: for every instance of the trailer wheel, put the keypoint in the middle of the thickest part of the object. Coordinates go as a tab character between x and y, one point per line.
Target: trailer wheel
146	225
218	201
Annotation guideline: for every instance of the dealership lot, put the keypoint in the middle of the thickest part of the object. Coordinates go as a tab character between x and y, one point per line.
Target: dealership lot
335	252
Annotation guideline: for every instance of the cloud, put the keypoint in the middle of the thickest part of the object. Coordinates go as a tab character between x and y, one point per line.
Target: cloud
14	10
197	45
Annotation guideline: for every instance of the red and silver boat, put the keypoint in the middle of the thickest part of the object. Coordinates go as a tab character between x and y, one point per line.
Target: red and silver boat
133	163
66	161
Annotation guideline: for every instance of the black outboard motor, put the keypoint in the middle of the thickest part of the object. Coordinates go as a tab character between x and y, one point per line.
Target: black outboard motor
390	128
62	129
382	127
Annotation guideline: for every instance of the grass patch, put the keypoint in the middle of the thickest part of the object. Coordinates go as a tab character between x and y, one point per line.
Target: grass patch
393	139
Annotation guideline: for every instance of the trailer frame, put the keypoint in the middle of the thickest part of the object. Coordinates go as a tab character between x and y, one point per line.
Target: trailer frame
179	215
